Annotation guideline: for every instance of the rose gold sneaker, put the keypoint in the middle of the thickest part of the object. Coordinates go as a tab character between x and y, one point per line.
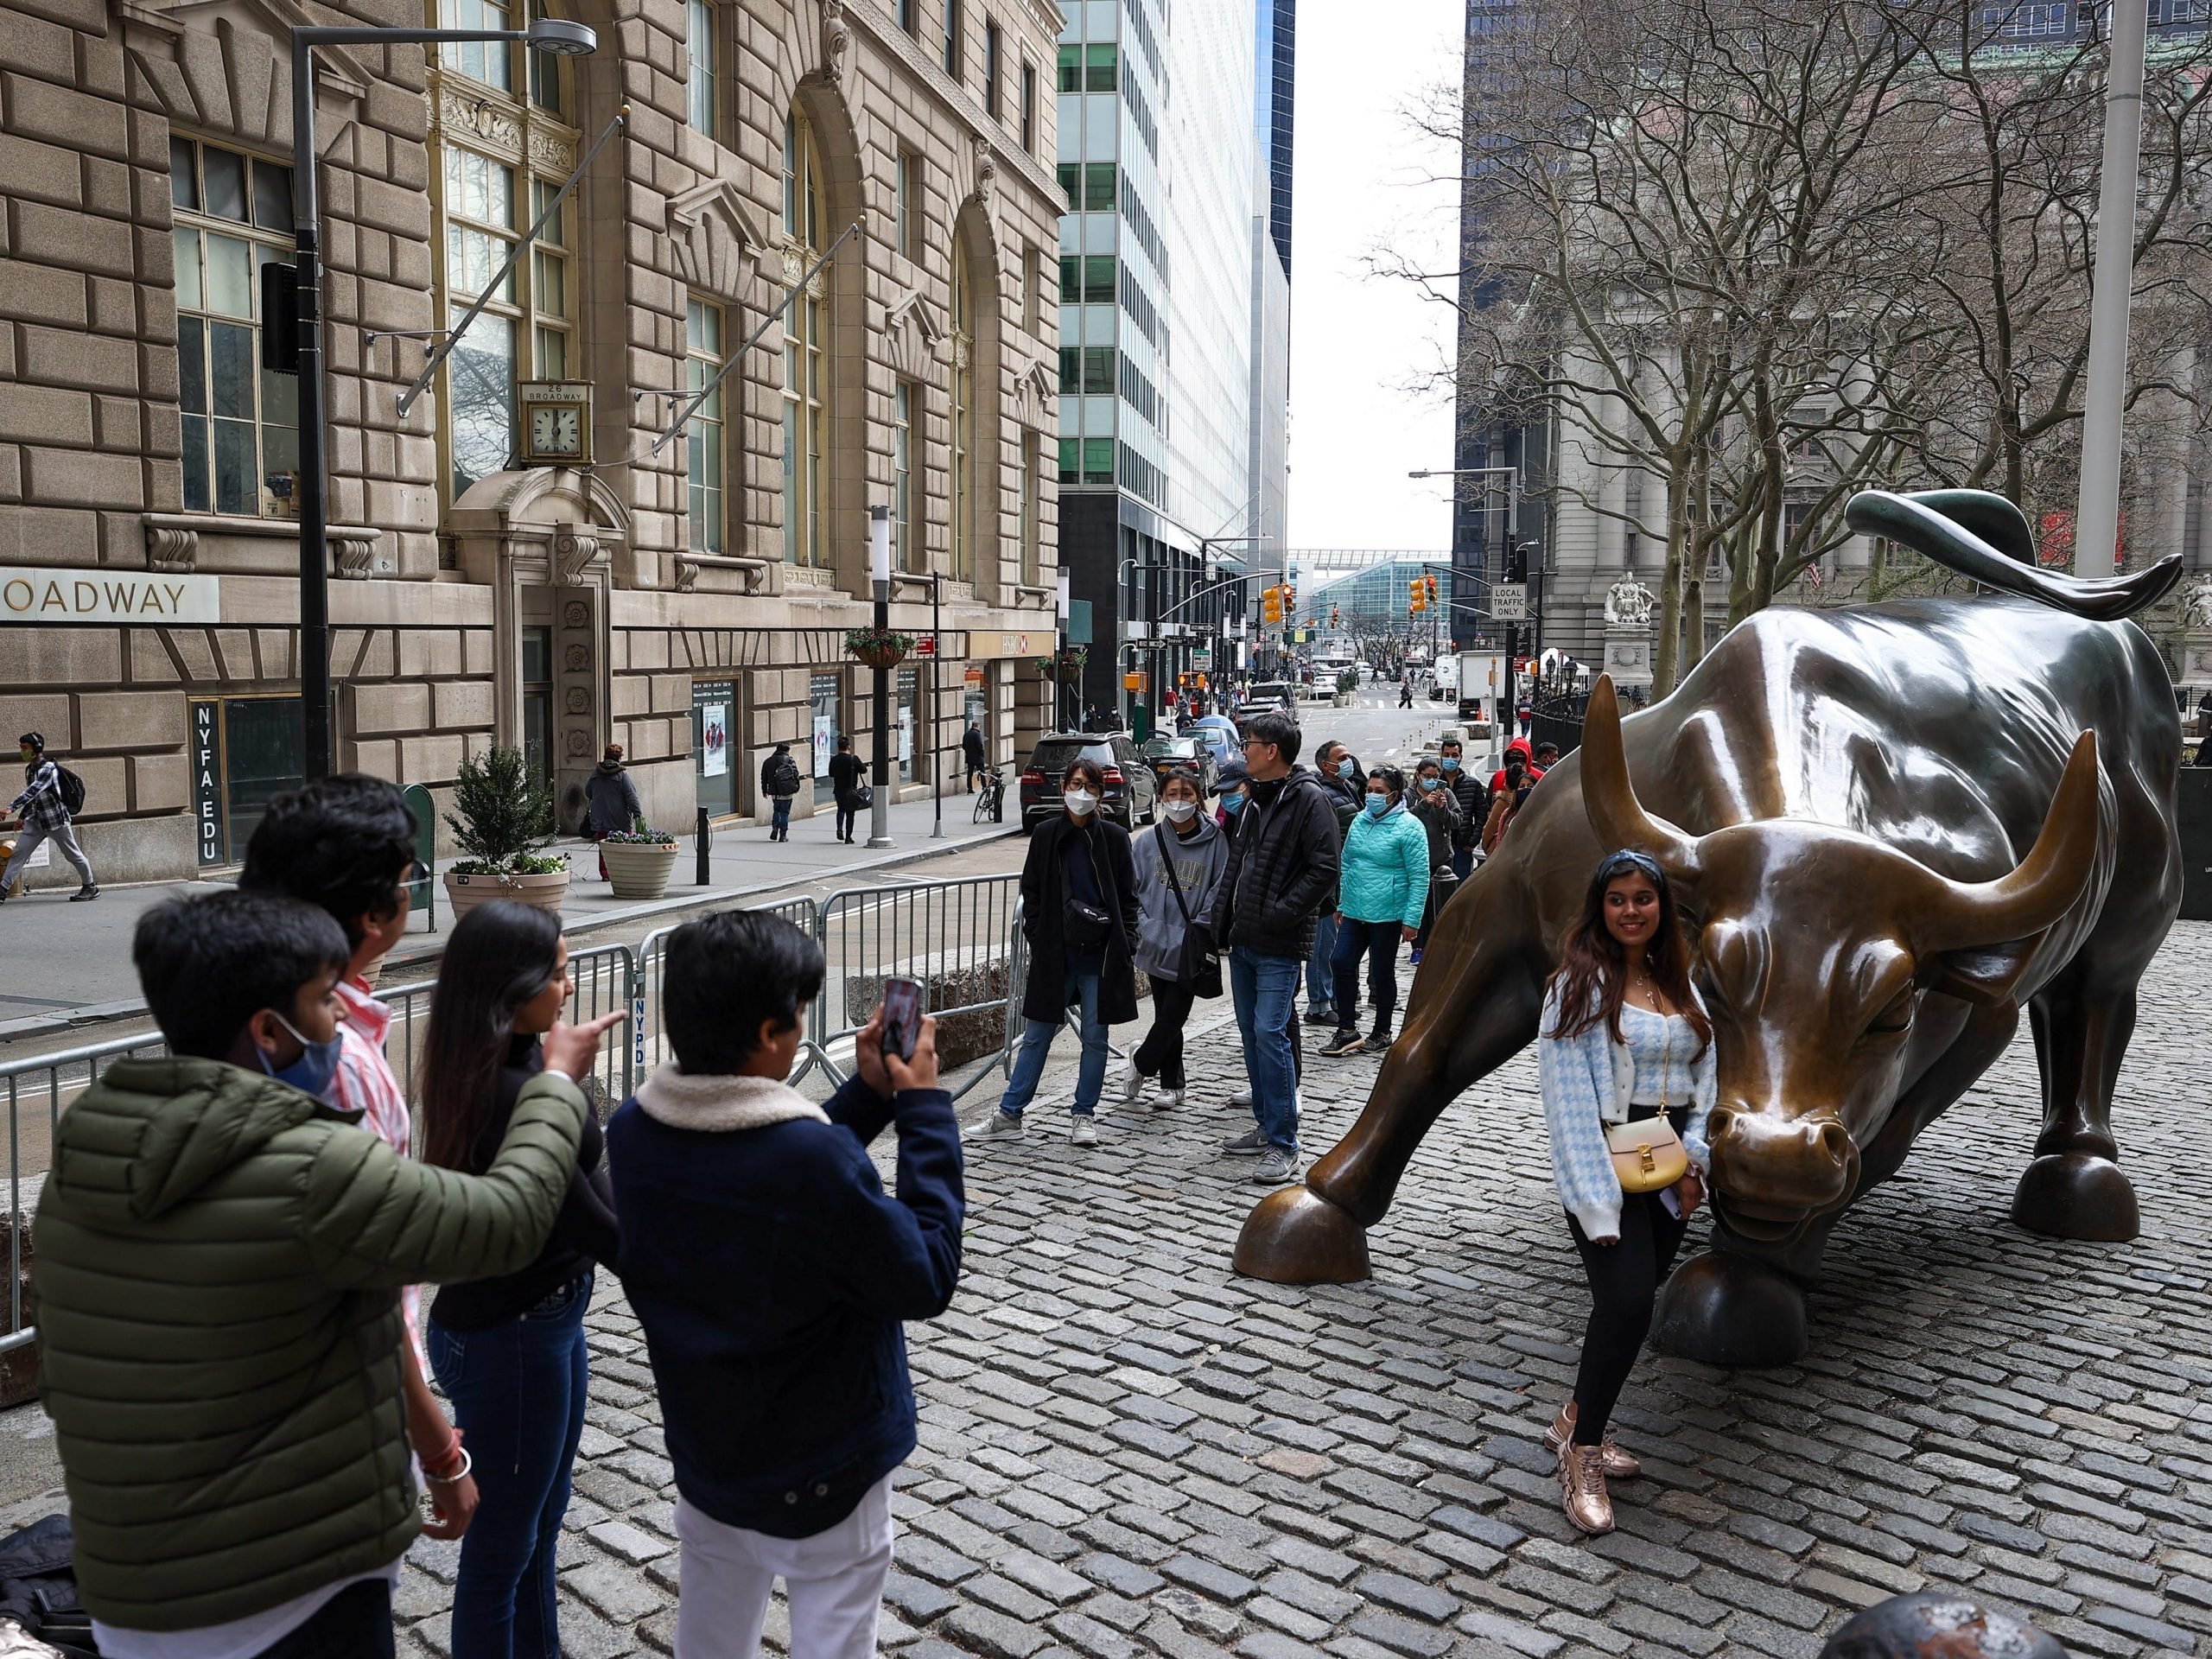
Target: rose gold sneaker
1582	1488
1619	1465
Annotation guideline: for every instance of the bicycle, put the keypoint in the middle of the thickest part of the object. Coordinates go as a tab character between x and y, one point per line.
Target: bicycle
990	798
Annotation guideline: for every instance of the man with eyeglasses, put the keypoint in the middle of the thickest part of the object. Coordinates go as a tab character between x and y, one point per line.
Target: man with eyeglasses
1282	874
346	844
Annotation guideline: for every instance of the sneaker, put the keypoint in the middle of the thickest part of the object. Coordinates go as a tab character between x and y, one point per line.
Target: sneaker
1416	957
1321	1015
1378	1042
1242	1100
1344	1042
1250	1144
88	891
1133	1081
1276	1167
1084	1130
1164	1099
999	1123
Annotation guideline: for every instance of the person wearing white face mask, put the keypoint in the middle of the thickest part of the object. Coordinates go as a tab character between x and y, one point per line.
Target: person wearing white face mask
1079	915
1178	866
1381	889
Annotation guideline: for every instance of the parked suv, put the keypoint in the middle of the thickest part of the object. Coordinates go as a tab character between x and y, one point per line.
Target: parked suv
1132	795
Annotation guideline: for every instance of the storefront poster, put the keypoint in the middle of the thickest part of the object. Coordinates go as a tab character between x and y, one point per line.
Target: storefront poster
714	740
825	743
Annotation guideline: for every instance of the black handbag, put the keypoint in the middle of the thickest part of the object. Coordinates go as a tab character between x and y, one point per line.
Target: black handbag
1197	964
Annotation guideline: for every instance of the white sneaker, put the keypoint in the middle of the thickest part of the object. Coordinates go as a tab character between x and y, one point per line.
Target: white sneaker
1242	1100
1132	1083
1084	1133
1166	1099
998	1123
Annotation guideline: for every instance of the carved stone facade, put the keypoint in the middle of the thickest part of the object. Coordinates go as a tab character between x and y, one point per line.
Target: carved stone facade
554	608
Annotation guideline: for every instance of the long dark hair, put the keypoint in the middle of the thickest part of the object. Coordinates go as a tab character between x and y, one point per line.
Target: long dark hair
500	956
1592	973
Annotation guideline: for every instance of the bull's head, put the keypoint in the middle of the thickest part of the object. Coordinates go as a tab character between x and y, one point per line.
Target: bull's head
1816	947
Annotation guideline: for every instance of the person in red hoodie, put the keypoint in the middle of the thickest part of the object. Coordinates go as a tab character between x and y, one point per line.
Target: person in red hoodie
1507	790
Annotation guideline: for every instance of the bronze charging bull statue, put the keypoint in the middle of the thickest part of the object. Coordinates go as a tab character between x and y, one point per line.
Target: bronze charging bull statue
1893	828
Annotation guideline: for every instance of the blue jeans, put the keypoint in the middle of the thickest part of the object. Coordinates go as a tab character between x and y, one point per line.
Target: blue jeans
518	1392
1265	990
1320	967
783	818
1080	988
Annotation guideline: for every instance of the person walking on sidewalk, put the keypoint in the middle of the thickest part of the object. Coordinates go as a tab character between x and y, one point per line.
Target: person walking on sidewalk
1438	810
611	801
971	750
46	816
1282	870
772	1275
1381	893
847	776
1344	788
1624	1037
346	845
1178	865
509	1351
1079	915
780	783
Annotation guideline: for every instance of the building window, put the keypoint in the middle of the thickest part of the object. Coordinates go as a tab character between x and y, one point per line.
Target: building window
963	416
806	324
908	208
907	20
704	432
485	192
952	38
1087	368
233	215
1029	480
1086	460
1032	282
699	43
1087	279
1028	105
991	69
906	523
1102	61
1071	68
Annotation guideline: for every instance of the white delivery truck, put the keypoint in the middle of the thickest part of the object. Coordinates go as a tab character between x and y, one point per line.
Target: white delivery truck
1485	679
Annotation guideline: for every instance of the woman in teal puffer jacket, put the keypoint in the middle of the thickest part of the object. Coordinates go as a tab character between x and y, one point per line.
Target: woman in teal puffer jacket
1380	889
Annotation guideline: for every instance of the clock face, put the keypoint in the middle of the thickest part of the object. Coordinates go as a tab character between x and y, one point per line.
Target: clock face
555	431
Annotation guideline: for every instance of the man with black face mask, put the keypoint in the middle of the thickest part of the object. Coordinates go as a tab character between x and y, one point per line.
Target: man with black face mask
46	816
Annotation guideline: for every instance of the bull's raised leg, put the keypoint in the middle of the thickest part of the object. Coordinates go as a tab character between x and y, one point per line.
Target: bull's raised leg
2074	1188
1474	1005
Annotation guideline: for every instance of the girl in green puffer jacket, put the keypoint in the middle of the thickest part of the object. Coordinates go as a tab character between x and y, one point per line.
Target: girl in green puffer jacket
1382	886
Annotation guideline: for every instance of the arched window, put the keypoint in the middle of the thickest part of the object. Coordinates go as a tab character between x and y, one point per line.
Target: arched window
963	416
499	151
805	329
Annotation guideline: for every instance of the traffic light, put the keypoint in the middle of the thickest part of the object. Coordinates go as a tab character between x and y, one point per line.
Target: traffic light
1271	607
1289	599
1431	580
1335	620
1417	597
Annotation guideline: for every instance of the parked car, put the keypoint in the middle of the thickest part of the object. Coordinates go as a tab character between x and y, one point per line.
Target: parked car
1132	793
1218	733
1270	694
1166	753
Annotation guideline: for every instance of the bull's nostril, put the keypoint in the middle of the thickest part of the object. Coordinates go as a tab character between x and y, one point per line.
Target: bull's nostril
1718	1124
1836	1140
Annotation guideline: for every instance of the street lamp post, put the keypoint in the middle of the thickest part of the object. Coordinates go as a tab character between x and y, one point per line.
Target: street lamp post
886	766
548	35
1059	656
2096	517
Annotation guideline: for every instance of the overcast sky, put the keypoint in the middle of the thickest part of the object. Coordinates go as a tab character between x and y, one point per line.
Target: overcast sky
1361	178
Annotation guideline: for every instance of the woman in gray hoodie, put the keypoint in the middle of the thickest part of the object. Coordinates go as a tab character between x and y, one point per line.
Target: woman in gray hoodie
1189	848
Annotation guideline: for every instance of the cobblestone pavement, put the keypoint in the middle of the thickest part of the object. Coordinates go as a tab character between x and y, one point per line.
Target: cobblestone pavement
1126	1450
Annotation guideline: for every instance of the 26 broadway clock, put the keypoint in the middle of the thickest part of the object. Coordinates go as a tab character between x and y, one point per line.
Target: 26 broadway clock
555	422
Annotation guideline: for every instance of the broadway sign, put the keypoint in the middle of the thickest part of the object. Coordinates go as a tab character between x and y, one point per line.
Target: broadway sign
31	593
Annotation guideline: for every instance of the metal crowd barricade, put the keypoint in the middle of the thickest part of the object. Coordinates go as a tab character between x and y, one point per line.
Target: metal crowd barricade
648	1022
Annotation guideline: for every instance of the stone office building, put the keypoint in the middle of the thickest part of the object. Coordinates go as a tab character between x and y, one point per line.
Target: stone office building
516	558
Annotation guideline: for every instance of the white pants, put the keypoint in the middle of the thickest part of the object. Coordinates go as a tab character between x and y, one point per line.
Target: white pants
833	1581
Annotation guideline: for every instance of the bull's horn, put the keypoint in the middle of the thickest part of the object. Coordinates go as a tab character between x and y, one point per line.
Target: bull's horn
1616	815
2045	884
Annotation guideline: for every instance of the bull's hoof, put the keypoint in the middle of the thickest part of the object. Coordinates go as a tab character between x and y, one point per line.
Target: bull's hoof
1298	1237
2075	1195
1725	1308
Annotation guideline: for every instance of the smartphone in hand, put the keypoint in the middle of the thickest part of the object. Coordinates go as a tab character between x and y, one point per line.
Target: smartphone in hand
902	1016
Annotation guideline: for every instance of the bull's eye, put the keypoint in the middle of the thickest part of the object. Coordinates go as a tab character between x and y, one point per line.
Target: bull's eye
1893	1018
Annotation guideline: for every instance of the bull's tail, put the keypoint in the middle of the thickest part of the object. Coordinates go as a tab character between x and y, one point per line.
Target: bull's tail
1987	538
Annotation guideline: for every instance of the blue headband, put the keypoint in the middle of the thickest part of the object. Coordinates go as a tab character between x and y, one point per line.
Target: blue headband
1613	862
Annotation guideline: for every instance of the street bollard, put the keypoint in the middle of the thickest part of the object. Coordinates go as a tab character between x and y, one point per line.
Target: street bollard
703	840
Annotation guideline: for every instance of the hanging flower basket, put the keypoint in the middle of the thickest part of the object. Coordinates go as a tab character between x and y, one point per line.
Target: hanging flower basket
879	647
1066	666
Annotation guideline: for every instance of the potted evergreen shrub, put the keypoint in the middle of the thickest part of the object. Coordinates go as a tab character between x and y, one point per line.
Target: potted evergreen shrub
500	819
639	860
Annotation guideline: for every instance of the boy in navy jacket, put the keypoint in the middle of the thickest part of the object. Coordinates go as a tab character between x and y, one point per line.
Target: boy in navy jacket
771	1274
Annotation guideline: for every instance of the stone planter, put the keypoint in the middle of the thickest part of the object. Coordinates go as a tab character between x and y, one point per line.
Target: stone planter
465	892
637	869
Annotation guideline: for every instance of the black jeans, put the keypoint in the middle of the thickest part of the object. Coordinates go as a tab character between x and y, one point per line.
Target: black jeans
846	810
1623	1284
1160	1054
1378	943
355	1623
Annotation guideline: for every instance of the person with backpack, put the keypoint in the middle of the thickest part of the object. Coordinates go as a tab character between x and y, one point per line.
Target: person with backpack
780	783
52	796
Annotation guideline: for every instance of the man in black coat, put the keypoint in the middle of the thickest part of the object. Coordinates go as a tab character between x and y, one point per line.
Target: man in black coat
1282	872
971	746
1473	795
847	772
1340	779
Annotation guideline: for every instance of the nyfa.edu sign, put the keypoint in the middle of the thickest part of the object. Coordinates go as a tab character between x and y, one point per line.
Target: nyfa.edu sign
33	593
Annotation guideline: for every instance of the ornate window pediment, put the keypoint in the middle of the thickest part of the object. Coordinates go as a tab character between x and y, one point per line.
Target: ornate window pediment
1034	389
224	68
717	237
913	335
